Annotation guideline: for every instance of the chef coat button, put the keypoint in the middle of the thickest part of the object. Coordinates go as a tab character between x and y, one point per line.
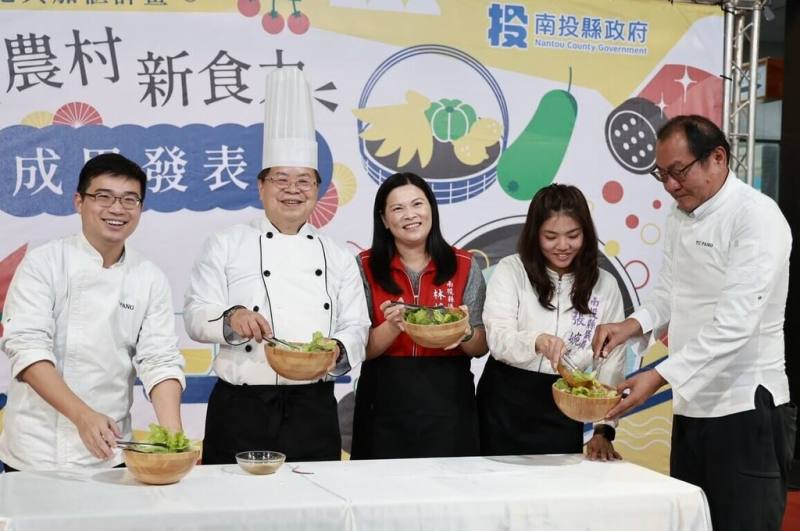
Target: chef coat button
318	272
326	306
269	235
248	348
310	237
255	308
266	272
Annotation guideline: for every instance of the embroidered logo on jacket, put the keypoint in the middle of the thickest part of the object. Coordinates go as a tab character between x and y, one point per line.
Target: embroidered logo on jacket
125	305
703	244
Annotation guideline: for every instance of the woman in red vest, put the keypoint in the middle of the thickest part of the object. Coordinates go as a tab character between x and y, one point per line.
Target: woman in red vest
541	302
413	401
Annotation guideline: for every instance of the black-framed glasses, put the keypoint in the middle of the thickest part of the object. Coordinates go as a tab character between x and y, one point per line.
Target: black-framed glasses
661	175
303	184
106	200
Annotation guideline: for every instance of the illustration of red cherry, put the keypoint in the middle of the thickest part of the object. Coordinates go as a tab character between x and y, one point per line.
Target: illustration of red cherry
248	8
272	22
298	23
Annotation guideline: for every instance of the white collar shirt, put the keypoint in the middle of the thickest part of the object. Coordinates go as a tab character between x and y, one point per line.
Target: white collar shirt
514	319
300	283
100	328
722	289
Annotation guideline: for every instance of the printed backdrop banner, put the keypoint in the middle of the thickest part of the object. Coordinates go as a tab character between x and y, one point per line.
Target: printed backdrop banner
489	101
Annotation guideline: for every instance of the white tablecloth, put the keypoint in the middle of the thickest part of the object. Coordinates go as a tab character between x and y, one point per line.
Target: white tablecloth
530	492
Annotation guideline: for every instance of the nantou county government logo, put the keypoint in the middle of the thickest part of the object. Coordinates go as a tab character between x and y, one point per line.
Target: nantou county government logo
511	26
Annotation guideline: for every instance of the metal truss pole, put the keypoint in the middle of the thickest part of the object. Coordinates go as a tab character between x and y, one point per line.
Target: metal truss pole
742	23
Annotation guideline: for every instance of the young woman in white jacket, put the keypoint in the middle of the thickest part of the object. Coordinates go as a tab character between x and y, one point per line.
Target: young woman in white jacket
540	303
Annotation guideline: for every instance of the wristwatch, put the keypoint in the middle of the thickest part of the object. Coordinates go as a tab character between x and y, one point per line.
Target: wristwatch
606	431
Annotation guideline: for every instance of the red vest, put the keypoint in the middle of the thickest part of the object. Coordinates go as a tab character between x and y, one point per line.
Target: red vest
449	294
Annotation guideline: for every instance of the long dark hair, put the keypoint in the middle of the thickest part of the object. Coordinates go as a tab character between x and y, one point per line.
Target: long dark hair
384	248
549	201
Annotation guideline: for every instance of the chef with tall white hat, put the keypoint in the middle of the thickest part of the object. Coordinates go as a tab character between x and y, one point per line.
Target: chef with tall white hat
277	276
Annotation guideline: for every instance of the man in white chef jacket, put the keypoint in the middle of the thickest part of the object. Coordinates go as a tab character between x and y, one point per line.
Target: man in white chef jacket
84	316
277	276
722	289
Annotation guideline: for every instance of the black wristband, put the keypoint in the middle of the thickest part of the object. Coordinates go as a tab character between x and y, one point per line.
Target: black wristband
606	431
226	315
339	360
342	351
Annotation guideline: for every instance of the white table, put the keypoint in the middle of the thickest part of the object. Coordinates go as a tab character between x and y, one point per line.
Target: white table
526	492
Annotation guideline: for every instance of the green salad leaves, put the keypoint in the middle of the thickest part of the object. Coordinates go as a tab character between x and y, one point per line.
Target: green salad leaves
319	343
174	441
429	316
596	390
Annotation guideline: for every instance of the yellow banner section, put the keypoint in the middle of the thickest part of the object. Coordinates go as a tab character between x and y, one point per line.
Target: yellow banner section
150	6
611	45
613	67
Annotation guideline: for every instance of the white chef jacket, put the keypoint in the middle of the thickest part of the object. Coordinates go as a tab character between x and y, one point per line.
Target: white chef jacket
301	283
100	327
514	319
722	288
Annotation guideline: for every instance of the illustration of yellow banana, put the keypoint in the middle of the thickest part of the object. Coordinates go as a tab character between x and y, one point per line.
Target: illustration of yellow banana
402	127
471	148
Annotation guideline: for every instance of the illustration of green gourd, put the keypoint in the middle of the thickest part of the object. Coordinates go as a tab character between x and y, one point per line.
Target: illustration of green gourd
532	161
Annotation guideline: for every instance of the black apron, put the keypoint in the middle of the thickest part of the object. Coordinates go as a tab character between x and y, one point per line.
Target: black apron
298	420
415	407
518	416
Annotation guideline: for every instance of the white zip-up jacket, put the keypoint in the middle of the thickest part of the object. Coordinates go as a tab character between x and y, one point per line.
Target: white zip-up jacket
514	319
722	289
100	327
301	283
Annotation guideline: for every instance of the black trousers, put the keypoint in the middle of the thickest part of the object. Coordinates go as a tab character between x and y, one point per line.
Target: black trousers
741	461
517	414
415	407
300	421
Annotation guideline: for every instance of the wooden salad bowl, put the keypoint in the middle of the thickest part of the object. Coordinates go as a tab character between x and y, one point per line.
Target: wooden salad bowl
583	408
295	364
160	468
436	335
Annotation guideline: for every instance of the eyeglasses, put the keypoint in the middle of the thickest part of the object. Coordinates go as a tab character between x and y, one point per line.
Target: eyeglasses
661	175
106	200
302	184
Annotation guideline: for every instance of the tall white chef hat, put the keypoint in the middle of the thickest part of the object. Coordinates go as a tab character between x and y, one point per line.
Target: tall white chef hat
289	135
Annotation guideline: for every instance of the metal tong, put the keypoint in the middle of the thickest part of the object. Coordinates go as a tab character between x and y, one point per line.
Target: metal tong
566	360
132	445
567	369
274	341
417	306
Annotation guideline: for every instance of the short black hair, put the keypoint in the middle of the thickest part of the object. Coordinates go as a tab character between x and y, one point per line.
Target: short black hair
112	164
263	175
702	135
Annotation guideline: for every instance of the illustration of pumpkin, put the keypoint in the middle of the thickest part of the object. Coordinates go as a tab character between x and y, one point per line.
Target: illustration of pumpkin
450	119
